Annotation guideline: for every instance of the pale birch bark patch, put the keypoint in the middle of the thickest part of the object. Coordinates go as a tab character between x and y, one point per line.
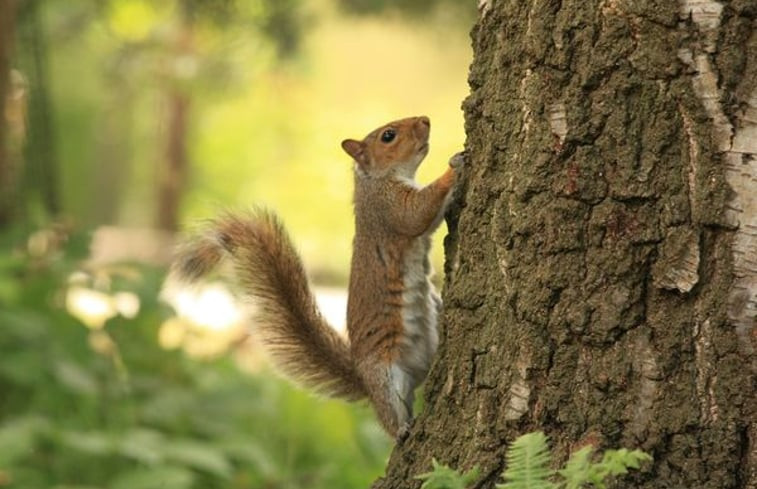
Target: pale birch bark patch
558	121
738	144
704	13
517	406
677	267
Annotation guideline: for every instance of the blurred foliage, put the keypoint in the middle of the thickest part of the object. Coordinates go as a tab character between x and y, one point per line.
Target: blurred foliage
87	406
274	86
95	72
413	8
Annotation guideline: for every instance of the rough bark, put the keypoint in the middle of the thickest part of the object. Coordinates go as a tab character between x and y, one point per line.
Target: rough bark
601	280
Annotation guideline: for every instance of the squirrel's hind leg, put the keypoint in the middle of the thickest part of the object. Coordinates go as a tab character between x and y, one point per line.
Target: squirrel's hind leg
390	389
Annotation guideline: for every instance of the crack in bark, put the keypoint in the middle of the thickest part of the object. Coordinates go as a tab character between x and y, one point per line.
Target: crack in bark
706	378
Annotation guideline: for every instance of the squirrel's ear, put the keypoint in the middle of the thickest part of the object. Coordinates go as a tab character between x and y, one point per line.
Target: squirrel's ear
356	149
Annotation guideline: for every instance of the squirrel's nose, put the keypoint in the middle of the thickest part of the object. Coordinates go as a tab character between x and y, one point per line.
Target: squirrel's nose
424	120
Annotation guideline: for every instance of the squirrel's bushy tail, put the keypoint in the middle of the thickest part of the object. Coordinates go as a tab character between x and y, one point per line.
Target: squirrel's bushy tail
286	319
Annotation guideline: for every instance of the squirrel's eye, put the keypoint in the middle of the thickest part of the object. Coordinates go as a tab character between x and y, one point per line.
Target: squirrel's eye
388	135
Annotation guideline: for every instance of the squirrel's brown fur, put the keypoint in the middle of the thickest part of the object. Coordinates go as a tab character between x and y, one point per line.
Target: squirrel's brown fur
287	321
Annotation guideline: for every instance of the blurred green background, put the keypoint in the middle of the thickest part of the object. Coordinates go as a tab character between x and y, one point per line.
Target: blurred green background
125	121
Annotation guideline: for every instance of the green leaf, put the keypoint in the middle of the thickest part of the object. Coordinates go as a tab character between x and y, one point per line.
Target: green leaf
443	477
143	444
75	377
18	437
23	367
88	442
24	325
165	477
528	463
202	456
74	486
249	452
169	404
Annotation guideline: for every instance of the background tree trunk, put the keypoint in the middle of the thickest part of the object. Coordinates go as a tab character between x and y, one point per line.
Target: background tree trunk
602	263
172	176
40	172
7	173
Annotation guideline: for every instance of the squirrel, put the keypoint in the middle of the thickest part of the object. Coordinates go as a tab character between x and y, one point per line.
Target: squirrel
392	306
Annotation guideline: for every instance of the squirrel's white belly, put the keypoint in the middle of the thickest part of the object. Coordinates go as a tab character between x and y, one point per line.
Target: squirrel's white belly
419	313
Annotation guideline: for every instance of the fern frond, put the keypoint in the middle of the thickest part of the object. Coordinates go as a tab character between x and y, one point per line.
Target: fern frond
576	468
619	461
615	462
443	477
580	470
528	463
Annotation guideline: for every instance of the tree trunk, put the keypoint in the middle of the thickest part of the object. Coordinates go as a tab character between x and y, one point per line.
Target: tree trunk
602	261
40	172
7	173
173	175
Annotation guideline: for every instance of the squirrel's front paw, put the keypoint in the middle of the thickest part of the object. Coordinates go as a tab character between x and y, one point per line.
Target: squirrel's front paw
404	431
458	161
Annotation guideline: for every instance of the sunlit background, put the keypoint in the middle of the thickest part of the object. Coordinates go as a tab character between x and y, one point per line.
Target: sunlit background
129	121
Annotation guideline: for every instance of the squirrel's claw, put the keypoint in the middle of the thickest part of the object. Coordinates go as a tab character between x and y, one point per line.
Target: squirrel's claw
404	431
458	160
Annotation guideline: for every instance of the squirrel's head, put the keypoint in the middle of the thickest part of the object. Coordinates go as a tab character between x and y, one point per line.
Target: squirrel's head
394	148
